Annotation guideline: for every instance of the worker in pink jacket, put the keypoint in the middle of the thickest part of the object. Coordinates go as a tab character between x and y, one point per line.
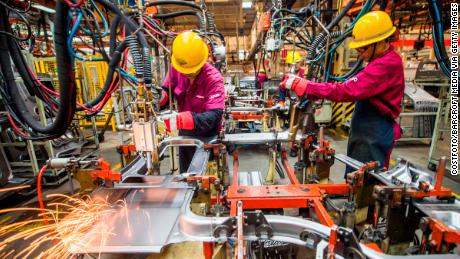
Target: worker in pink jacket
198	88
377	90
294	64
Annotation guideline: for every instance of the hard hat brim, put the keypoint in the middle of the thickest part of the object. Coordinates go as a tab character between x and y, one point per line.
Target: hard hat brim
190	70
358	44
294	61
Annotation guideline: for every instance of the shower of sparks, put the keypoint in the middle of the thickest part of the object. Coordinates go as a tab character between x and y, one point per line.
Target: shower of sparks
14	188
69	223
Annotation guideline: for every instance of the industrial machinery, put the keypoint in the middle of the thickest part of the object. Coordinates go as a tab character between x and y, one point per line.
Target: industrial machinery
241	209
376	213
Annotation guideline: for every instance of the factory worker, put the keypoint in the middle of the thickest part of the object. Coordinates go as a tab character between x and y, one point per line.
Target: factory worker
198	88
261	79
294	65
377	90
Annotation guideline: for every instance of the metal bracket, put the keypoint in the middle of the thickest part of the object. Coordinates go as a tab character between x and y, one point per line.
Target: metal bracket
348	245
257	219
225	230
311	239
252	219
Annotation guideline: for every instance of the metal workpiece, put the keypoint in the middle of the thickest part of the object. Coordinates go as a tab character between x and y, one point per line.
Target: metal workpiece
253	178
257	138
199	162
134	174
145	224
447	212
152	181
178	142
372	254
348	161
254	109
137	167
405	174
157	217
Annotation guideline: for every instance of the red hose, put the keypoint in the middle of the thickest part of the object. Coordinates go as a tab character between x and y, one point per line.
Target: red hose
54	92
15	127
73	5
39	192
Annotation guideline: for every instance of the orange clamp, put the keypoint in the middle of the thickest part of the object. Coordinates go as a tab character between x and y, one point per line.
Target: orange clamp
105	172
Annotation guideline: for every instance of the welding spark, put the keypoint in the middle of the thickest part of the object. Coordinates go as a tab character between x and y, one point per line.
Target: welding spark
69	222
14	188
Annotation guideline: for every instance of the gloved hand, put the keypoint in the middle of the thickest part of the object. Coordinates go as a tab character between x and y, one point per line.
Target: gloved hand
178	121
164	98
160	96
294	83
280	105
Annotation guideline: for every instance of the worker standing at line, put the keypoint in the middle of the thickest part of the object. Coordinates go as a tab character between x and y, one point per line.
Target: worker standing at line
377	90
261	79
294	64
199	91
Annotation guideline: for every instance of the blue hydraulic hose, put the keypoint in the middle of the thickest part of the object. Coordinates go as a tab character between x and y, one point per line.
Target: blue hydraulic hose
367	6
70	38
125	74
437	22
104	22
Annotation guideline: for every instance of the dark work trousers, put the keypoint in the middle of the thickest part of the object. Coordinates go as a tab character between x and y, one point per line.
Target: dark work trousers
371	135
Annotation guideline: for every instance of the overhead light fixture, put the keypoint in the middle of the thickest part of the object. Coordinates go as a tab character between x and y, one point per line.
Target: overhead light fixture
247	4
43	8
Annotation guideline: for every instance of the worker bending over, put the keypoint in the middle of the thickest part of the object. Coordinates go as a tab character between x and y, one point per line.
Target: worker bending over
377	90
198	88
294	64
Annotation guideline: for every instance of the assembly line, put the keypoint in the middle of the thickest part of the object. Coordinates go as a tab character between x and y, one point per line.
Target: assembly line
228	129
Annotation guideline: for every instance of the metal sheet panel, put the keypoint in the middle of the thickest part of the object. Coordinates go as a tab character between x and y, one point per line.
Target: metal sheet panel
143	226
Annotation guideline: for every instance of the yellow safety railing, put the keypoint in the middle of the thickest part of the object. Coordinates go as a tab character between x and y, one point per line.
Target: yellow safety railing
91	74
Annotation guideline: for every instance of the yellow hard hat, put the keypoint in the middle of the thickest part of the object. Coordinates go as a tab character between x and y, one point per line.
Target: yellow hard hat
293	57
189	52
373	27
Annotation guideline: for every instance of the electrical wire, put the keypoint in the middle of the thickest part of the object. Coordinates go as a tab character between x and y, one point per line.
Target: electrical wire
39	192
23	19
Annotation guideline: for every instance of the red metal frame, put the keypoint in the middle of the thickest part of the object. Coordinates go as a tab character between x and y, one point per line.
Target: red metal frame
105	172
332	242
248	116
442	235
295	195
127	149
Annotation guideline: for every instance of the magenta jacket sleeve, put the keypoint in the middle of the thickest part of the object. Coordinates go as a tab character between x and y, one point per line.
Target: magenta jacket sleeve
216	94
364	85
168	81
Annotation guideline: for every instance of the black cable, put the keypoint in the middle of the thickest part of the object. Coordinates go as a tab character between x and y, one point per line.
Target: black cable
116	57
302	12
174	2
353	71
131	26
113	34
66	77
164	16
339	16
24	20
